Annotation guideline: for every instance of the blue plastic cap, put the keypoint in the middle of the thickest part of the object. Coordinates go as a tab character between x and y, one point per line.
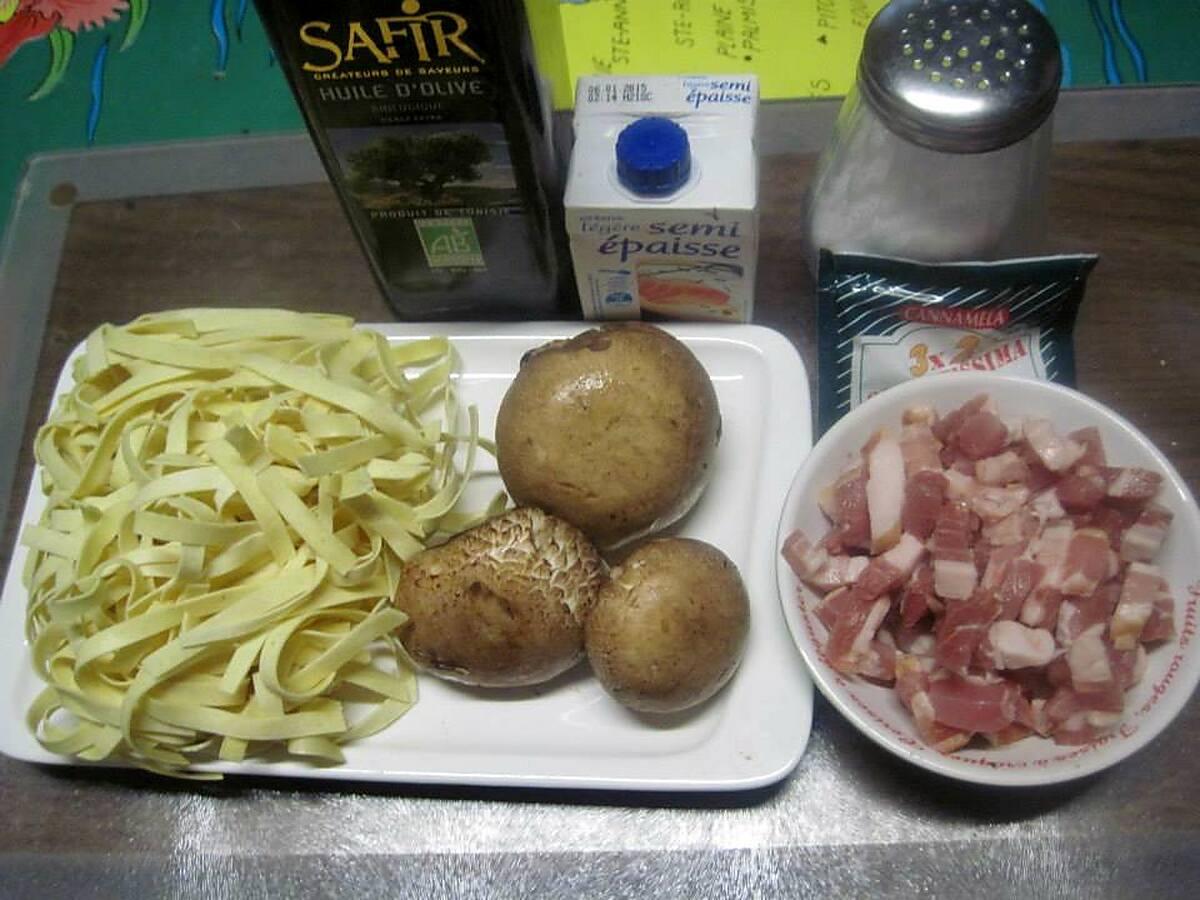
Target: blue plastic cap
653	157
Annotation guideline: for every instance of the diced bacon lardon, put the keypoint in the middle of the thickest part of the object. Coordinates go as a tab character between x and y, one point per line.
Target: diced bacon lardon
1080	492
1089	561
1047	507
1132	484
1144	538
920	449
1040	607
973	704
1056	453
1018	528
1011	645
1086	615
1093	446
960	630
997	565
992	504
885	490
1004	468
853	632
981	435
1020	578
924	493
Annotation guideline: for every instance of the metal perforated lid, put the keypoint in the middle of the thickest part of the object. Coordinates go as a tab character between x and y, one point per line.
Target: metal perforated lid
962	77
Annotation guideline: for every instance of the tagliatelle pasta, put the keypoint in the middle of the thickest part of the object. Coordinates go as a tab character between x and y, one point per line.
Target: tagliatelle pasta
230	497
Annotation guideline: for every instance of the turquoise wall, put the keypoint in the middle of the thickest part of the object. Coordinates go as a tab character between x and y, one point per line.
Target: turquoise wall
202	68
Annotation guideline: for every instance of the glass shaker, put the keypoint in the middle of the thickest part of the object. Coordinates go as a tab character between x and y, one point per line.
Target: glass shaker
941	148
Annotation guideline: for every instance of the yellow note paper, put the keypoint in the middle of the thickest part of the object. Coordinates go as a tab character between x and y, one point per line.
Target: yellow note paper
798	48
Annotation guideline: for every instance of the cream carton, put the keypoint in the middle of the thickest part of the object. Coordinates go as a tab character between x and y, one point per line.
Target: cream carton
662	197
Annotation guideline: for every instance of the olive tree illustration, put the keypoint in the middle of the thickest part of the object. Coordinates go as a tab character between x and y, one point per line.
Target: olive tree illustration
424	164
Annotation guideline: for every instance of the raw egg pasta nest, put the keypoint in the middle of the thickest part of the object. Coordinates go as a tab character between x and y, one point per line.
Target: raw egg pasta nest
230	497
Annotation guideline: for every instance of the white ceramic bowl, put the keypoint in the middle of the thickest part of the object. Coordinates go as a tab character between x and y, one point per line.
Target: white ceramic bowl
1173	668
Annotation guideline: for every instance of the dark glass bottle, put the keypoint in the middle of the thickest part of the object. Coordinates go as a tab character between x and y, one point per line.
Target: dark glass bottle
427	116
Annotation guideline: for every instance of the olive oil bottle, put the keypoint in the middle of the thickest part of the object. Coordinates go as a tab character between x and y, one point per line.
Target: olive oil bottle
427	116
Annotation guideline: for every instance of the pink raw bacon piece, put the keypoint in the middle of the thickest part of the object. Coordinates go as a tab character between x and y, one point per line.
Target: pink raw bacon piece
1086	728
923	497
996	565
1093	446
1020	577
803	557
1040	609
903	557
960	486
840	571
1161	625
885	490
1040	478
1019	528
960	630
1076	718
1050	551
1034	684
846	505
1056	453
1128	666
1006	468
911	678
878	578
1138	594
973	704
953	528
1132	485
954	575
955	462
981	434
920	450
912	686
992	503
832	606
1144	538
915	600
917	641
1046	507
947	426
852	633
878	663
1011	645
1081	492
832	543
1090	665
1082	615
1113	522
1089	561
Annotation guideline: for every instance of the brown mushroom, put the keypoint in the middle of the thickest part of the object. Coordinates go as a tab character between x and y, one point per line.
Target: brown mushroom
502	604
614	430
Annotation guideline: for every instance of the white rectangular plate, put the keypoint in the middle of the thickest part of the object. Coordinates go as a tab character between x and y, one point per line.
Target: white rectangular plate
568	732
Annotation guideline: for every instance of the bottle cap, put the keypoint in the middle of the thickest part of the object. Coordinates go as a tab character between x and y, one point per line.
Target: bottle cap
963	77
653	157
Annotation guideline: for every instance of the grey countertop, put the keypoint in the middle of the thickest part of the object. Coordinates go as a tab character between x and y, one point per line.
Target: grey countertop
240	223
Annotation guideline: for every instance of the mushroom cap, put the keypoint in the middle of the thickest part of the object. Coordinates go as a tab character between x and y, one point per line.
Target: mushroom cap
504	603
615	430
669	629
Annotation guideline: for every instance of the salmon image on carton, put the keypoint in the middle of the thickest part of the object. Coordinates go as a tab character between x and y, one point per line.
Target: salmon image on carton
662	197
